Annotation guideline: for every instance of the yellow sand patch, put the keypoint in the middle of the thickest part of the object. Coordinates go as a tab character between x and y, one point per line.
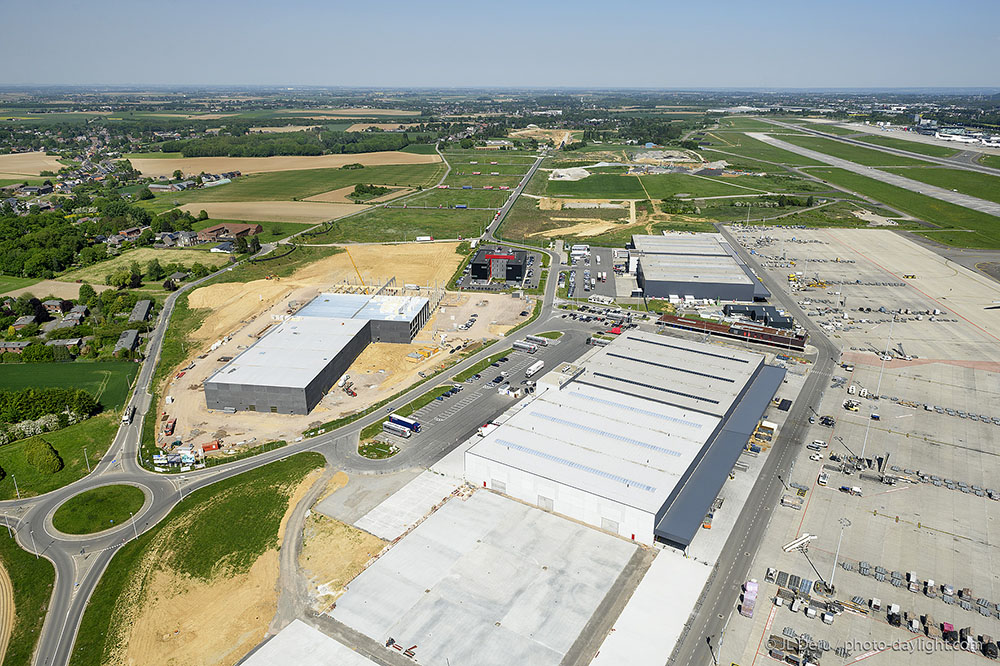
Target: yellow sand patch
340	195
333	554
273	211
557	136
360	127
28	164
583	229
194	165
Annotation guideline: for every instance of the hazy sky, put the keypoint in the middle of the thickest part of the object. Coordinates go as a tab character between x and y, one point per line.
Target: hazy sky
669	44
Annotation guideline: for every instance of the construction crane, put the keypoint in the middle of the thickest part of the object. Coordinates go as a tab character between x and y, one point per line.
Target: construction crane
356	269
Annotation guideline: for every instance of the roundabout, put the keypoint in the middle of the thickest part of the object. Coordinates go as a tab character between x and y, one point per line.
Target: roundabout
98	509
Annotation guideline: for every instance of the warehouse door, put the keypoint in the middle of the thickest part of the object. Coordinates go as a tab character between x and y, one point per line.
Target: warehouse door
609	525
498	486
545	503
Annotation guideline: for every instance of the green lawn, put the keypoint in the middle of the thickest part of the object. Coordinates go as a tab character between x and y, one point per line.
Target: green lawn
32	579
850	152
990	161
966	228
108	382
745	146
551	335
973	183
744	123
98	509
217	531
381	225
377	450
9	283
94	435
419	149
912	146
272	230
830	129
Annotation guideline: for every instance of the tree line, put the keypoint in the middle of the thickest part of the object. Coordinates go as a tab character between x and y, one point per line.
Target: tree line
293	143
33	403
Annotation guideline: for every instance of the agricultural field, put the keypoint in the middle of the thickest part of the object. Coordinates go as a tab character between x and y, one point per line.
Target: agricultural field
217	550
959	226
27	164
912	146
852	153
250	165
448	198
726	144
108	382
10	283
297	213
973	183
96	273
460	158
93	436
381	225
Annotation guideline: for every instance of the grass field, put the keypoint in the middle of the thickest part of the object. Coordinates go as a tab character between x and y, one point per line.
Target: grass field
96	273
419	149
98	509
502	169
483	158
965	227
456	181
108	382
974	184
294	185
990	161
451	197
9	283
852	153
272	230
32	579
744	123
94	434
219	530
912	146
829	129
660	186
382	225
745	146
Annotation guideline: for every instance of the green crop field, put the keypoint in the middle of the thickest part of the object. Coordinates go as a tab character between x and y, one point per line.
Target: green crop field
745	146
852	153
460	169
220	530
448	198
108	382
94	435
912	146
967	228
9	283
419	149
461	157
291	185
384	225
455	180
660	186
600	186
98	509
32	579
974	184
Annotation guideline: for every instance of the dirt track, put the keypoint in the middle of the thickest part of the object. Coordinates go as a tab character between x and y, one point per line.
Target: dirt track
7	611
195	165
310	212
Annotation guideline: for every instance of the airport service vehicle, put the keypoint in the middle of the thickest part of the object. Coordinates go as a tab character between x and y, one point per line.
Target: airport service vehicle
395	429
404	422
823	478
534	368
486	428
749	598
813	447
526	346
128	415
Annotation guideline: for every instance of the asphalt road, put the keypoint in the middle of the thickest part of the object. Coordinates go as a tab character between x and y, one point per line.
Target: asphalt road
974	203
719	598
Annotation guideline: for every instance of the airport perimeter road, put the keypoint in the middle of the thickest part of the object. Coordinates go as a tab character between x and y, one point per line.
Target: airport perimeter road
974	203
960	161
705	628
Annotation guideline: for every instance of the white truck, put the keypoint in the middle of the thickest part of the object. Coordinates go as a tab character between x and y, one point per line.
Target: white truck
534	368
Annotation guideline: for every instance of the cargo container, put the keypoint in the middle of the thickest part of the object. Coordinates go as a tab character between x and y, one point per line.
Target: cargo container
424	239
534	368
211	446
404	422
395	429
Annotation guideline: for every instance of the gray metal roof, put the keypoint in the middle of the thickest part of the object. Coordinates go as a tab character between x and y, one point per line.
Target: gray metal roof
682	257
348	306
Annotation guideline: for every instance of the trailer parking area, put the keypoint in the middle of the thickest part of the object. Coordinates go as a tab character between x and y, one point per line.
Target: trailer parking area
924	474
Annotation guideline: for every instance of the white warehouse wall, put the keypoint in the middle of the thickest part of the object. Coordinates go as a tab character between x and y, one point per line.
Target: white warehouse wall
632	523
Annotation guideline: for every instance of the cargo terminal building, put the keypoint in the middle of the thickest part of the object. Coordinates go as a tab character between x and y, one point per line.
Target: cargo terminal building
697	265
636	438
290	369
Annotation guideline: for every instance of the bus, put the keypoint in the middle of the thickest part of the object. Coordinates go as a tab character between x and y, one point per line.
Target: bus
404	422
395	429
525	346
128	415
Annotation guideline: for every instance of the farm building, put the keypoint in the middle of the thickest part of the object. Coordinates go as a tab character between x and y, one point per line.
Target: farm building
637	438
499	264
229	231
127	341
290	369
141	311
698	265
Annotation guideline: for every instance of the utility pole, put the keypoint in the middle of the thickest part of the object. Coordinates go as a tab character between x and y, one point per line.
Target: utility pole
33	547
87	459
18	492
844	524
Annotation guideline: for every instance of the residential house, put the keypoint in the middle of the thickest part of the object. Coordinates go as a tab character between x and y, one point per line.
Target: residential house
187	238
227	248
68	342
81	310
141	311
55	306
14	346
21	322
229	231
179	276
127	341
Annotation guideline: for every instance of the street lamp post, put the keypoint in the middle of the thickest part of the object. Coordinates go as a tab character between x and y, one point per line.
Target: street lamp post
33	547
18	492
136	529
715	659
86	459
844	524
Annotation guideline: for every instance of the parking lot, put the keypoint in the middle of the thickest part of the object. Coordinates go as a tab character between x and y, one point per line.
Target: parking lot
924	476
590	269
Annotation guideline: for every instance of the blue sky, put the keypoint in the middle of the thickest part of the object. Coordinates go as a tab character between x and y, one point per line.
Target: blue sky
666	44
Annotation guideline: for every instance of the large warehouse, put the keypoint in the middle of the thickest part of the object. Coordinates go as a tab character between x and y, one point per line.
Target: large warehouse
637	438
290	369
698	265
